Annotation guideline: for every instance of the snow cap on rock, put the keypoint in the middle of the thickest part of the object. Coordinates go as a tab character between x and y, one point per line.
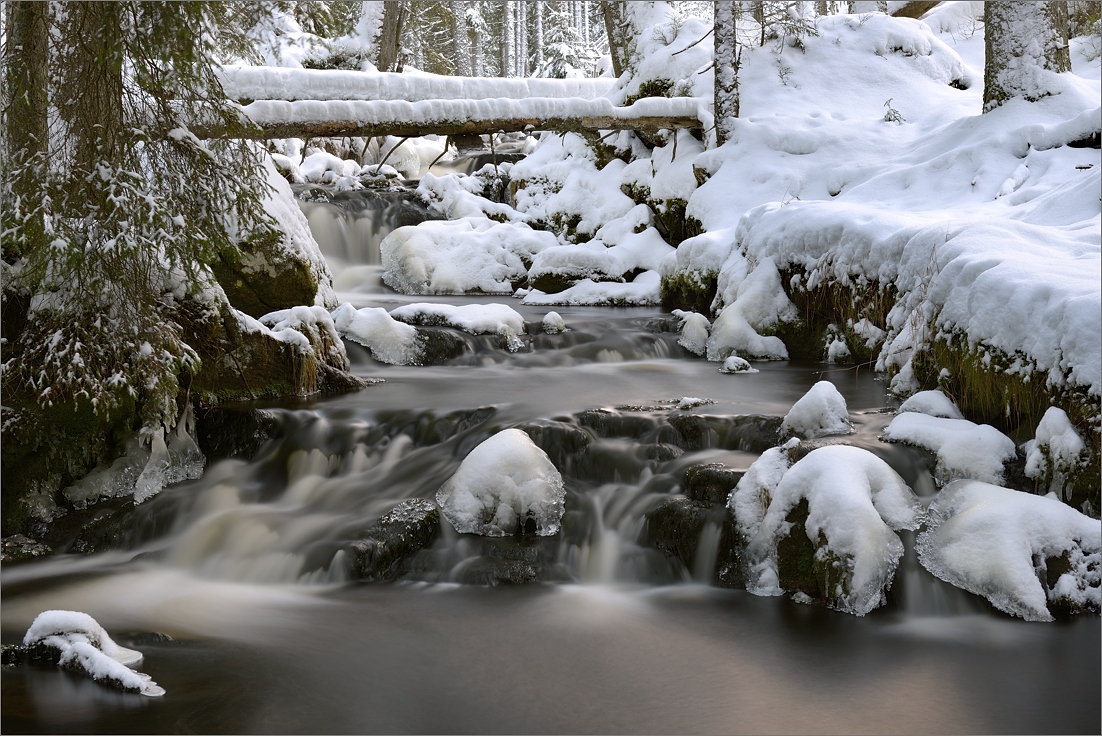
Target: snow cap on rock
821	412
501	485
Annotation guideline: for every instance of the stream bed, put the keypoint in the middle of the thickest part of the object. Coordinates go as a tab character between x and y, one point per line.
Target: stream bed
235	585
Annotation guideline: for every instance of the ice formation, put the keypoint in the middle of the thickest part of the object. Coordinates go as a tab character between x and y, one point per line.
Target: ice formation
821	412
963	449
695	329
502	486
1021	552
854	502
85	645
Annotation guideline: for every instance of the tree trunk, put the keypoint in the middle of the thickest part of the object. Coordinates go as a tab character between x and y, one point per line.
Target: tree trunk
539	36
462	40
619	38
26	130
390	38
726	70
522	39
1024	41
94	109
508	62
822	8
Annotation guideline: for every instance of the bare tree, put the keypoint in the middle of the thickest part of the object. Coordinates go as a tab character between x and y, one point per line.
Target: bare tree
1024	40
462	40
619	33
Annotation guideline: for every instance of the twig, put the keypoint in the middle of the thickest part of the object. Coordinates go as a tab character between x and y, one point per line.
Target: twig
392	150
694	43
447	142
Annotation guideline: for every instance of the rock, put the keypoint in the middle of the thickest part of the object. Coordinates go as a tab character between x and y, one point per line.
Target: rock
513	561
400	533
439	345
228	431
20	548
502	484
662	452
608	423
676	526
564	443
711	483
749	433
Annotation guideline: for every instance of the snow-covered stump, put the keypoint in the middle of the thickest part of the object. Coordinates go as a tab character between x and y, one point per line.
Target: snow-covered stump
1031	556
77	642
824	527
507	485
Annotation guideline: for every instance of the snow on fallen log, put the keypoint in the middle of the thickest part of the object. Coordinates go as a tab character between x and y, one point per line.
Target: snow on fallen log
337	118
281	83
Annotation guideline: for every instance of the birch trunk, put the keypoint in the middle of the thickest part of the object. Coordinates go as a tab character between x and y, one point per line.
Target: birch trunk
726	71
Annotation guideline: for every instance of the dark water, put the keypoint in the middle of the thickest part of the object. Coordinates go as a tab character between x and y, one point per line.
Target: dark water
269	637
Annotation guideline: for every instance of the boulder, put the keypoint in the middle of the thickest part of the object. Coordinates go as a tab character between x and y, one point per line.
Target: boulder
383	550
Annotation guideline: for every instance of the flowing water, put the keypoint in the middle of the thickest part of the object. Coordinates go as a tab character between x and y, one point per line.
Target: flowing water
235	585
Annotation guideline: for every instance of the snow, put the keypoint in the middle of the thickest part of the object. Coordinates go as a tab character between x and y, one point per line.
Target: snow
695	329
642	291
758	303
934	403
553	323
735	364
994	542
477	319
389	340
281	83
84	644
963	449
856	502
503	482
454	257
821	412
1057	453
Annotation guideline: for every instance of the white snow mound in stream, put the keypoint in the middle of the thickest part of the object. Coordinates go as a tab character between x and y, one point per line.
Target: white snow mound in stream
501	484
964	449
854	500
821	412
389	340
85	645
995	542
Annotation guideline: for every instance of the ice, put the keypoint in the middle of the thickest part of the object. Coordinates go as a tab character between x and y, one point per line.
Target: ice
695	329
456	257
855	501
1000	543
821	412
501	486
934	403
389	340
963	449
1057	453
85	645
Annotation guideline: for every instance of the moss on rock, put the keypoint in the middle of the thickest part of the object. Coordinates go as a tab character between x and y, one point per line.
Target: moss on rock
692	291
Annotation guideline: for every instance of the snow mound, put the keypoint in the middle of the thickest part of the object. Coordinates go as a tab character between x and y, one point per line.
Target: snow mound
759	303
1056	453
695	329
643	291
477	319
821	412
553	323
389	340
1024	553
854	501
502	486
963	449
84	645
934	403
456	257
735	364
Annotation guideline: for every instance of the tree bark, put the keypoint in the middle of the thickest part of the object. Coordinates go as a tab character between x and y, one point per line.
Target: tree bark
390	38
462	40
1024	42
26	130
726	71
615	15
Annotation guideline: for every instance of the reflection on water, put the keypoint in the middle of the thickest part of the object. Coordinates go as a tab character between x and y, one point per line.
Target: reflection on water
268	636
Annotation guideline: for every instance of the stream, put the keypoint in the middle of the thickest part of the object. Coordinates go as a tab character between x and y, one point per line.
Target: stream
235	586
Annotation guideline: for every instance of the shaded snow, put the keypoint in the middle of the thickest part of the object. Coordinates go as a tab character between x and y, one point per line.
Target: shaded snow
963	449
821	412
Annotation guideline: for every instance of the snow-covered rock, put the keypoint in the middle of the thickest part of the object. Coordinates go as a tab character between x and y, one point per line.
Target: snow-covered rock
477	319
389	340
553	323
461	256
964	449
1026	554
84	645
504	486
1056	454
821	412
758	303
934	403
854	504
735	364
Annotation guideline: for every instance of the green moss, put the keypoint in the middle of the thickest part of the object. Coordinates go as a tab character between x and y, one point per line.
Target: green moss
692	291
259	277
796	563
651	88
